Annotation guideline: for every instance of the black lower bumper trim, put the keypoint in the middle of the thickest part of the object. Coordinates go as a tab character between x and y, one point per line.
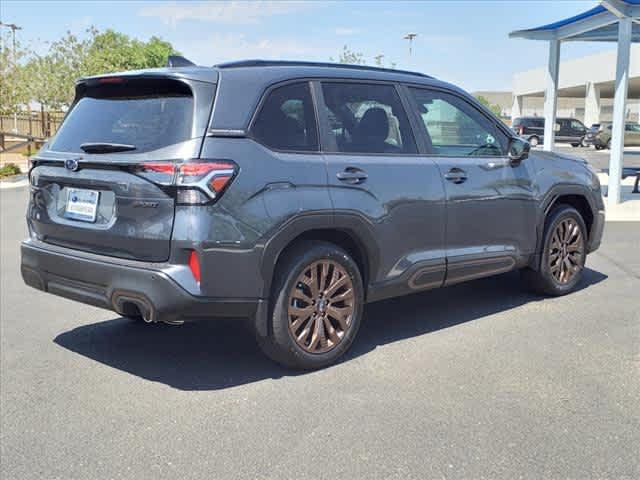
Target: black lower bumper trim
119	287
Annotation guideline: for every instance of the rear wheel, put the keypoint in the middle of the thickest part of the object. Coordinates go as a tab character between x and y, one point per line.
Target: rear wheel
563	253
609	144
576	144
534	141
317	303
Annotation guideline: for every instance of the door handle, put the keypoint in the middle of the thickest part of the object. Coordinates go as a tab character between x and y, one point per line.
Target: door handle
352	175
456	175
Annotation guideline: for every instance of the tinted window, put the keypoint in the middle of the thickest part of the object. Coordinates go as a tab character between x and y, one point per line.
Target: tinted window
577	125
366	118
537	122
287	119
455	128
149	116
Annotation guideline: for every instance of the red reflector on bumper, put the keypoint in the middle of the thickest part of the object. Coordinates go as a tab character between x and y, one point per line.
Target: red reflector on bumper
194	265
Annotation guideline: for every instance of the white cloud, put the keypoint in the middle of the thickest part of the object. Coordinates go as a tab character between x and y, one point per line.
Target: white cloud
233	12
218	48
346	31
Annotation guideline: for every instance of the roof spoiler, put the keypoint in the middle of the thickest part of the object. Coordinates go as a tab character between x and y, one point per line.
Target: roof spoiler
178	61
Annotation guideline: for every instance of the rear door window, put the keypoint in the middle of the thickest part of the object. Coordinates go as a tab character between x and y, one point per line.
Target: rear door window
286	120
145	114
366	118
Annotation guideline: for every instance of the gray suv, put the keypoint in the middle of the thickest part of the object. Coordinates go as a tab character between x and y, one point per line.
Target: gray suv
291	194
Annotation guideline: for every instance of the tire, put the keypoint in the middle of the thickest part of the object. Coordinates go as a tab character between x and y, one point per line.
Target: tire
599	147
534	141
300	280
545	279
609	144
574	145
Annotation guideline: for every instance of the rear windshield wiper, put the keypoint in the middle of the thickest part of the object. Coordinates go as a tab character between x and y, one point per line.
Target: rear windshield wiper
106	147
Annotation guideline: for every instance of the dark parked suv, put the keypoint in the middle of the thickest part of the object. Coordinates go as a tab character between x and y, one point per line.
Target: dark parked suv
292	193
568	130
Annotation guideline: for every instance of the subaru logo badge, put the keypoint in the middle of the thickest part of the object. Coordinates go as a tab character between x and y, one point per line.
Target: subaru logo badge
71	164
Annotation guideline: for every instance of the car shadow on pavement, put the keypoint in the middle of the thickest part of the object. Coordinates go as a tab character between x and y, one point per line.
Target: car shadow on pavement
217	354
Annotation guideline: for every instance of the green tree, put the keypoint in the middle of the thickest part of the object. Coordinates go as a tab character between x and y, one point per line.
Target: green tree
351	57
14	94
111	51
51	77
495	108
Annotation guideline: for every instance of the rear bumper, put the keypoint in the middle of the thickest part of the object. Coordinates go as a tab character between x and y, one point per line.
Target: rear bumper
119	287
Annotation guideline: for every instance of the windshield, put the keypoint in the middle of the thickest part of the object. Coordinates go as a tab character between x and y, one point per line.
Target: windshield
142	118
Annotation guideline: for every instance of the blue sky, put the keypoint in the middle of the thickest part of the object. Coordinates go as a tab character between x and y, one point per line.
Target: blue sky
463	42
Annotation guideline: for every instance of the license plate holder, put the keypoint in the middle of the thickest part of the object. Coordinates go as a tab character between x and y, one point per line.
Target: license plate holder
81	204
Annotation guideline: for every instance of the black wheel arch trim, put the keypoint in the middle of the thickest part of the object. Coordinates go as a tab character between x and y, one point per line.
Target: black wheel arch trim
354	224
549	200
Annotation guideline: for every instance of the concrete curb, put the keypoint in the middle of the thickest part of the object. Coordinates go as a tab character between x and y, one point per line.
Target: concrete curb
16	181
626	211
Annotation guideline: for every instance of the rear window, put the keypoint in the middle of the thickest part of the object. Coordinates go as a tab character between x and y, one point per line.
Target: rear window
147	114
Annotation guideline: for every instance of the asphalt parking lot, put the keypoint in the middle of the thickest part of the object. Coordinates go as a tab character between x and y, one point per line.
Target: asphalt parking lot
600	158
481	380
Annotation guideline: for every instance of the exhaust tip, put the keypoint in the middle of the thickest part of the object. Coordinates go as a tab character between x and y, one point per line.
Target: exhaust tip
130	304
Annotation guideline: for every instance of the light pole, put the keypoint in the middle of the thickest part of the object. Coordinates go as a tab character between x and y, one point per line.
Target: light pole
13	28
410	37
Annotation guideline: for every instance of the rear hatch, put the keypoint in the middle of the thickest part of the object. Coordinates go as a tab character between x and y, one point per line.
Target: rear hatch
105	182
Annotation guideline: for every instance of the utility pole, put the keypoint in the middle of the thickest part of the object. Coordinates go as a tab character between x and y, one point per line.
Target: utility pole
410	37
13	28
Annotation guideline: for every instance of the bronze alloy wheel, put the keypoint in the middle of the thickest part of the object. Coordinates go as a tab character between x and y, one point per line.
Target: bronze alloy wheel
566	251
321	306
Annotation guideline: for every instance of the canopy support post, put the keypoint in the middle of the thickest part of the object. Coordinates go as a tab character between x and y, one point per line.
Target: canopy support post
551	95
619	110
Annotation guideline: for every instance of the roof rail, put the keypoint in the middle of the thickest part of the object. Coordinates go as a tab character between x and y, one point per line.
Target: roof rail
296	63
178	61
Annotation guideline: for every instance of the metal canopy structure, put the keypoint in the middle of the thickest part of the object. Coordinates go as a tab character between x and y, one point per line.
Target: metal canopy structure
610	21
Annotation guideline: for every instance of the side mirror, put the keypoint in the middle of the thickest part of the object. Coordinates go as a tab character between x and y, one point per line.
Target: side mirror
518	150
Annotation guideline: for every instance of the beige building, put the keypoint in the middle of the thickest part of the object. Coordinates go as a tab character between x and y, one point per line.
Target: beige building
585	88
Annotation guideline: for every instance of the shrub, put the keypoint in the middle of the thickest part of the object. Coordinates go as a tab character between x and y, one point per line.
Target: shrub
9	169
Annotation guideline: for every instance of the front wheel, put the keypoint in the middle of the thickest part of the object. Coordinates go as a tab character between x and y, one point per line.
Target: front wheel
317	303
563	253
534	141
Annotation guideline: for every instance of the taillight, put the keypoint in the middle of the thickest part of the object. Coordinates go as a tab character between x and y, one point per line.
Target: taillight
521	131
197	182
194	265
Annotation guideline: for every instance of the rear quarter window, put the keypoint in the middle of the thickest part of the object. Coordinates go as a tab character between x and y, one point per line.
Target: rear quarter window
147	114
286	120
